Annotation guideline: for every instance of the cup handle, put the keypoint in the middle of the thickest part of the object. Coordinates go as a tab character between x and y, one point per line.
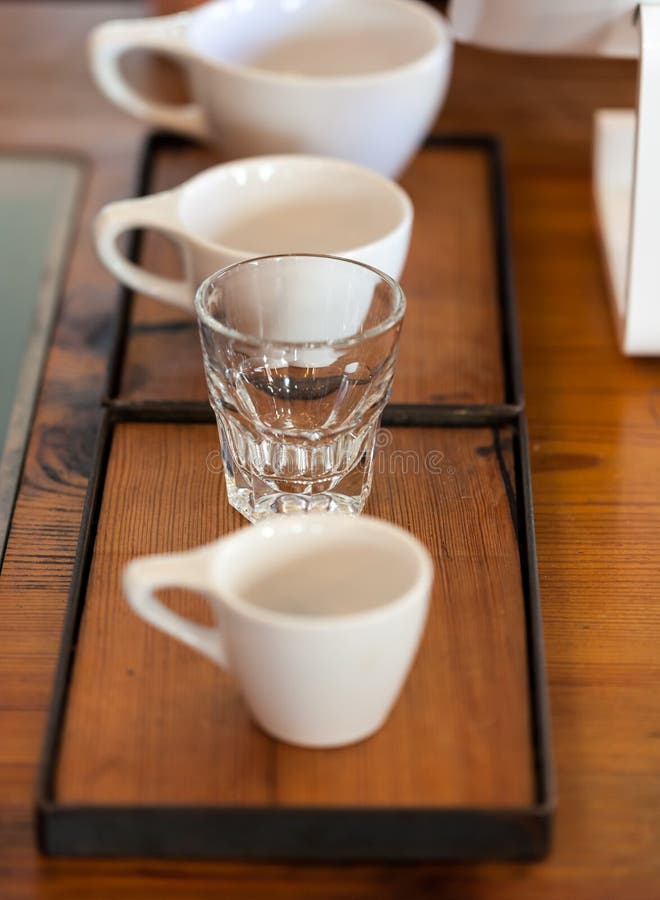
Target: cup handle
145	575
166	34
156	212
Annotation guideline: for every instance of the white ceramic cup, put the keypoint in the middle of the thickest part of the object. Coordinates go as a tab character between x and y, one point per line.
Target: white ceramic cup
316	680
262	206
568	27
358	79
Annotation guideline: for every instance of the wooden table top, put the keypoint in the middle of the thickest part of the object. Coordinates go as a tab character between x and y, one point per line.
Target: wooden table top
595	441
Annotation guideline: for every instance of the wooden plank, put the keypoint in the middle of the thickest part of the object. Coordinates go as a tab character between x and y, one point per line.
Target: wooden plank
150	722
450	350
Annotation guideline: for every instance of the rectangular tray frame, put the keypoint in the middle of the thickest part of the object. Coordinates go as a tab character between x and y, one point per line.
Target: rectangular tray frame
432	413
314	833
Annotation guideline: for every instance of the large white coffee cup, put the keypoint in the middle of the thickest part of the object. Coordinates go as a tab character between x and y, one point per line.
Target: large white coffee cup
358	79
262	206
317	665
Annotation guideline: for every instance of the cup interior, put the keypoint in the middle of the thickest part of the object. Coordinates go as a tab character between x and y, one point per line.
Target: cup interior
317	567
315	38
271	205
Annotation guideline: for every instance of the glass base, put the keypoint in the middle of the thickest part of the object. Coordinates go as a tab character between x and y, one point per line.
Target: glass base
257	500
287	504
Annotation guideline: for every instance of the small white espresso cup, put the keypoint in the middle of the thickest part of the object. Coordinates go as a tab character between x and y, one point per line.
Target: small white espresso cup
262	206
358	79
318	618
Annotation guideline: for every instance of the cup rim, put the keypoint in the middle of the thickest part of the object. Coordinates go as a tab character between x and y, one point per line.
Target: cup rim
296	159
443	42
390	321
420	584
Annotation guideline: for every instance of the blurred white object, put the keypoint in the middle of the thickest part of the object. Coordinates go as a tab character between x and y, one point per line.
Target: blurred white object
575	27
626	173
626	144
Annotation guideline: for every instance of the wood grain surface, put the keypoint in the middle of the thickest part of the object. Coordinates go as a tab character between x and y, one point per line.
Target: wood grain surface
595	433
449	351
150	722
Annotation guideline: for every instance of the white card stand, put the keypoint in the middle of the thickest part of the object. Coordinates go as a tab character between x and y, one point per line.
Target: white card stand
626	174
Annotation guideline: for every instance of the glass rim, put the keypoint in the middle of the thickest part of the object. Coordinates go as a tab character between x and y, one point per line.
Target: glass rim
394	318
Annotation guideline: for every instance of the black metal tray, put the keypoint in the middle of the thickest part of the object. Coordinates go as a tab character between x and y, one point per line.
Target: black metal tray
340	834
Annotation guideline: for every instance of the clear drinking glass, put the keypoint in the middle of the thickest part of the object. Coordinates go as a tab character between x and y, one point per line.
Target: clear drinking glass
299	354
